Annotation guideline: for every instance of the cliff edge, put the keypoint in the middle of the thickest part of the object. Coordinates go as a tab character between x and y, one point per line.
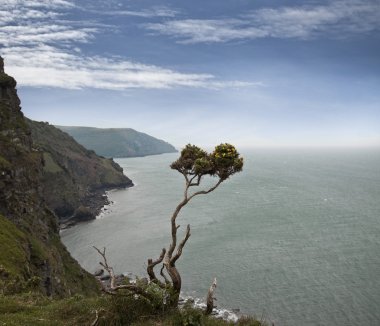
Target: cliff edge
73	179
32	255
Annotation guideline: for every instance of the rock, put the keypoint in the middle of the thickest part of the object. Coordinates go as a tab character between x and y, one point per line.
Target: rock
120	279
105	278
236	310
99	272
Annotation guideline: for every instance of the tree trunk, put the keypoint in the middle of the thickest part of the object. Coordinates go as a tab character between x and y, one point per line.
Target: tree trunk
210	298
176	282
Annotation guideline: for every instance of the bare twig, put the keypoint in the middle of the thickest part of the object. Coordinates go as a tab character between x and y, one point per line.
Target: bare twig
95	322
113	287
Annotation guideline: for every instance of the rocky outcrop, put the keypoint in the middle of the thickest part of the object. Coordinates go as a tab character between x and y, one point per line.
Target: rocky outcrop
32	255
74	179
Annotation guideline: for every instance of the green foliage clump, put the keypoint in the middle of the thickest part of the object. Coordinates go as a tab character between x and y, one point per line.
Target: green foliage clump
223	162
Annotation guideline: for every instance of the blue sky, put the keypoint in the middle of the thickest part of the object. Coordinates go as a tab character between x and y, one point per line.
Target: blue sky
253	73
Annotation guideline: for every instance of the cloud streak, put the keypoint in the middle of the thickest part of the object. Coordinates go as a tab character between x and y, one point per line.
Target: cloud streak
42	49
45	66
338	19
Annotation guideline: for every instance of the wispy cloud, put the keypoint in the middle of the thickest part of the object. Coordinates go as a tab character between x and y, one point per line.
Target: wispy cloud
337	19
146	13
43	49
46	66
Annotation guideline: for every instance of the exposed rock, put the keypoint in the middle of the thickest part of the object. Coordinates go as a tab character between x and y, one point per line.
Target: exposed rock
99	272
74	179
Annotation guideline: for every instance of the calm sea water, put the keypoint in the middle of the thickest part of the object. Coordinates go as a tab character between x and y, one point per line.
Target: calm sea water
295	237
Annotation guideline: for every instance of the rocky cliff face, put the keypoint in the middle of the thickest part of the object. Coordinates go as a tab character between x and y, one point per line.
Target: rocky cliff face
74	179
31	255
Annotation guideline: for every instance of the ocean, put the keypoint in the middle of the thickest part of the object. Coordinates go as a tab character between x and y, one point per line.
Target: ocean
293	239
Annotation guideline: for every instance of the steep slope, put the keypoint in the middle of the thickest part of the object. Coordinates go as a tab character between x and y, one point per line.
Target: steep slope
74	179
32	255
118	142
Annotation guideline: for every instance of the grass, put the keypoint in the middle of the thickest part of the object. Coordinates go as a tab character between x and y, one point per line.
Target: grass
12	254
34	309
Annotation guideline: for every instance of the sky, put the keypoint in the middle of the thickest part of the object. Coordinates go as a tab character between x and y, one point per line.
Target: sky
255	74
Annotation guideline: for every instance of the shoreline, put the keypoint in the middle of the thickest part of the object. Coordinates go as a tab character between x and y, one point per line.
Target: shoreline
92	206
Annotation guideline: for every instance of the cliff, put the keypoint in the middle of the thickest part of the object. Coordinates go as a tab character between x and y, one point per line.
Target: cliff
32	255
74	179
118	142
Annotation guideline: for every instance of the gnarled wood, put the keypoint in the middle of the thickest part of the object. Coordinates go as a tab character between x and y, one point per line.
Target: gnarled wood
113	287
210	298
152	264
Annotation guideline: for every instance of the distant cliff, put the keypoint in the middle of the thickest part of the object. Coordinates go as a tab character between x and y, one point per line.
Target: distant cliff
74	179
118	142
32	256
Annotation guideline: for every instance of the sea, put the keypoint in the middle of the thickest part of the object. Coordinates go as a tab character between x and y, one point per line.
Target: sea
294	239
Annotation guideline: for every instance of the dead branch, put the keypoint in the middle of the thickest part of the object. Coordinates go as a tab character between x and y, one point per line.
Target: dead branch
108	268
152	264
95	322
210	298
163	275
113	287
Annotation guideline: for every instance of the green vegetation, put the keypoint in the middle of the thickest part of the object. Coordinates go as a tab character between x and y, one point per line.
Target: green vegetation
13	256
73	176
50	165
23	254
118	142
34	309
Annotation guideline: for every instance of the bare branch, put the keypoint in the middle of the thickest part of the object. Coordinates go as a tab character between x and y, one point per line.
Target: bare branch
108	268
163	275
153	263
95	322
113	287
180	246
172	246
205	192
197	182
210	298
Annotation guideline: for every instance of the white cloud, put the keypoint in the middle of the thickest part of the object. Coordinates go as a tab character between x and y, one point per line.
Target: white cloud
42	49
146	13
46	66
337	19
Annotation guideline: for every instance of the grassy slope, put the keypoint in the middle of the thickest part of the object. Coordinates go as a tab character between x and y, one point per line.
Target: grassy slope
118	142
36	310
22	253
71	172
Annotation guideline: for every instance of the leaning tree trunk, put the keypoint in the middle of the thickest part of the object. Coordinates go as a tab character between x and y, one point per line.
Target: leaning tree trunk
168	257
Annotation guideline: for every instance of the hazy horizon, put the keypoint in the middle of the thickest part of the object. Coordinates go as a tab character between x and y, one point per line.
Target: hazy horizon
262	74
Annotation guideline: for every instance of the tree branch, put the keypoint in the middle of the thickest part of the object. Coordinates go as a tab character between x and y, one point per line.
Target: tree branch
153	263
163	275
113	287
205	192
108	268
180	246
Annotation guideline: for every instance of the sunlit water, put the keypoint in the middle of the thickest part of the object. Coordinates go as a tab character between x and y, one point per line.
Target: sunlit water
295	237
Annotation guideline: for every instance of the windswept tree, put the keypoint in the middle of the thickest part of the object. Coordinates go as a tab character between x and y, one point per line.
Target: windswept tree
194	163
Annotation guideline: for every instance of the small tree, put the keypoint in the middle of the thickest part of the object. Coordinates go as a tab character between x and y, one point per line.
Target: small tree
194	163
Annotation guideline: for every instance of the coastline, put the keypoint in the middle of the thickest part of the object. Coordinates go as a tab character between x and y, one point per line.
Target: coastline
93	206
